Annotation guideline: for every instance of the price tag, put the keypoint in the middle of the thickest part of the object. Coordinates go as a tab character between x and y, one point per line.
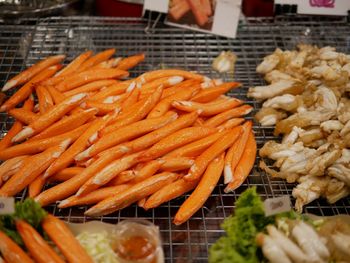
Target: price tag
7	205
319	7
160	6
219	17
277	205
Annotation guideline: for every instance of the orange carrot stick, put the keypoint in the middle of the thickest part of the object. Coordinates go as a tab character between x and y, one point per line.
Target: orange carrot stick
122	178
128	117
51	116
132	194
201	193
60	234
211	153
229	114
132	98
130	62
96	59
235	152
69	187
244	165
11	251
36	186
93	86
195	148
66	124
175	140
32	168
164	105
6	141
172	164
147	171
39	249
75	64
88	76
155	136
207	109
169	192
93	197
56	95
213	93
103	108
23	115
79	145
115	89
66	174
161	73
111	63
149	87
230	124
44	98
123	134
25	91
11	166
37	146
108	173
31	72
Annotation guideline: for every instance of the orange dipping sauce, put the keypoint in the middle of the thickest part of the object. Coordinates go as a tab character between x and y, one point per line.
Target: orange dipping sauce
135	248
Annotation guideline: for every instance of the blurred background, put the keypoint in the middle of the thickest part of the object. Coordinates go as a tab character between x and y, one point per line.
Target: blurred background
12	9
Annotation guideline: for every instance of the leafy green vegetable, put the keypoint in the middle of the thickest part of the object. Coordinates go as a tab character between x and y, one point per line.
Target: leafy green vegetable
239	244
28	210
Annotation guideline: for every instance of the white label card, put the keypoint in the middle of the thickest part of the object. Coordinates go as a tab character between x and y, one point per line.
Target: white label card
319	7
7	205
160	6
219	17
277	205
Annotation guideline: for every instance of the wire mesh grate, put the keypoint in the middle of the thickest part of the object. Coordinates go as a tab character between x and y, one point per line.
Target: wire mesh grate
21	46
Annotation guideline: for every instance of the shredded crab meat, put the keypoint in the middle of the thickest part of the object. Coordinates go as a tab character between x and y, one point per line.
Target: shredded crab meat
307	100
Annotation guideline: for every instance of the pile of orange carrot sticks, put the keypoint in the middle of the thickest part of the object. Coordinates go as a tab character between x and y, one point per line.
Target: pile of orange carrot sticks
109	142
39	249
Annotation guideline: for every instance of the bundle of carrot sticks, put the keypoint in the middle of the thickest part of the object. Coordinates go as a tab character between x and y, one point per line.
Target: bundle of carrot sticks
99	140
39	250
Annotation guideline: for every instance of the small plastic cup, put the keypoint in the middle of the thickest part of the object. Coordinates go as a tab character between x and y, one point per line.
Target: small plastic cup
137	241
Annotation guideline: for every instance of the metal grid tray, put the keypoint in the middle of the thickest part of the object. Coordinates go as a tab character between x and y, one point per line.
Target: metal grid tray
21	46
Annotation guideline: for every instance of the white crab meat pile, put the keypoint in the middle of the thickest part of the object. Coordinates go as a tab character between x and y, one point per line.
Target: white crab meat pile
295	241
307	100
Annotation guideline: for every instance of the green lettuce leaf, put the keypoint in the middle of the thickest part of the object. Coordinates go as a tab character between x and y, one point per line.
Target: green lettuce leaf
28	210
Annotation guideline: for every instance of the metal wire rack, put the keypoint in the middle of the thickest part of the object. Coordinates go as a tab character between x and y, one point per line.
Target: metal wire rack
21	46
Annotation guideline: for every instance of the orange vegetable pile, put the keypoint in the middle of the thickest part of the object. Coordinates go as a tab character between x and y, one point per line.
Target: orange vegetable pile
109	142
38	249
